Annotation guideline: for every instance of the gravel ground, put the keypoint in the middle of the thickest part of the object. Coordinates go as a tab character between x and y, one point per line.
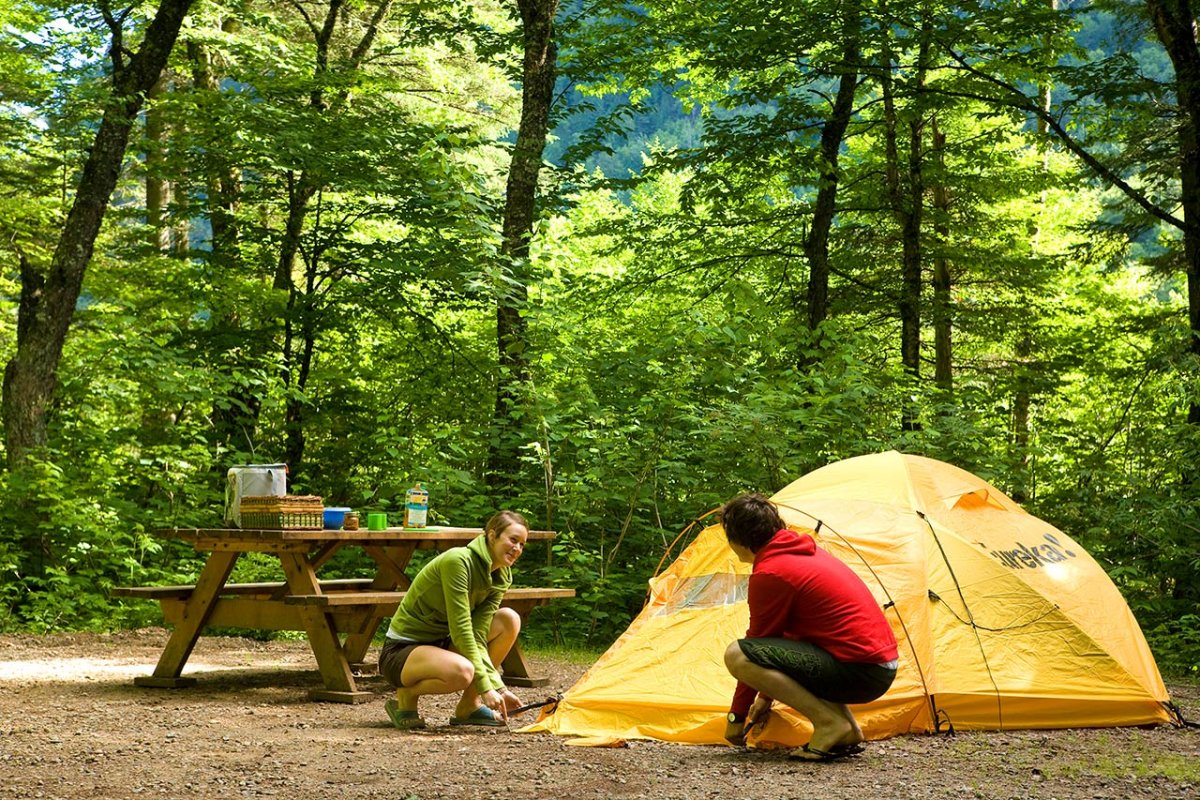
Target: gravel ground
72	725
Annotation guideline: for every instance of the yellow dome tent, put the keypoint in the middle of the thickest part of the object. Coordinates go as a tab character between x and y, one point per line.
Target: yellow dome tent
1002	620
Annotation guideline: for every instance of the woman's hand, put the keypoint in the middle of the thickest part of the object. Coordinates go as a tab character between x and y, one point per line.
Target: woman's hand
495	701
511	701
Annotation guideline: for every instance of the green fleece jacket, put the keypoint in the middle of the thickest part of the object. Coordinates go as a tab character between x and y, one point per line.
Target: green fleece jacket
456	595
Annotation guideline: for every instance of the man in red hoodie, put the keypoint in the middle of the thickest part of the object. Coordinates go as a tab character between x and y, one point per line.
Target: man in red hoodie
817	638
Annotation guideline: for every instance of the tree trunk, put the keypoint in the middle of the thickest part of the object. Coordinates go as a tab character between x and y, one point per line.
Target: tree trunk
816	245
295	365
906	196
1175	25
223	181
234	423
47	303
294	438
520	204
1022	400
158	189
298	324
943	362
910	303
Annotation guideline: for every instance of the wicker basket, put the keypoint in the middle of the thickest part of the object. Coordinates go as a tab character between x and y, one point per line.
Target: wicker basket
290	512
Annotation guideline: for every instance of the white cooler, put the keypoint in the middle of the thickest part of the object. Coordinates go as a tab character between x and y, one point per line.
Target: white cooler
252	479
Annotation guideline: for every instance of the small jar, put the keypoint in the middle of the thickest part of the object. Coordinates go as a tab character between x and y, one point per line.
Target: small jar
351	521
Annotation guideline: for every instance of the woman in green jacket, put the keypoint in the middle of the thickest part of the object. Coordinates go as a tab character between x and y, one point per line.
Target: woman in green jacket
449	632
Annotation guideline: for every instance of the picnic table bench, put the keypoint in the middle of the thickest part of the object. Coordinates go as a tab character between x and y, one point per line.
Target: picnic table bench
340	615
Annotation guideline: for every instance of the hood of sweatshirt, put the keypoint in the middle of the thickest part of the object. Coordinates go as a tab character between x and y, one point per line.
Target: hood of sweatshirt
786	542
479	546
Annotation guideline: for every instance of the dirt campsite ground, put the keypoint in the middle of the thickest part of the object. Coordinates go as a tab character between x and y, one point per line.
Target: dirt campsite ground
72	725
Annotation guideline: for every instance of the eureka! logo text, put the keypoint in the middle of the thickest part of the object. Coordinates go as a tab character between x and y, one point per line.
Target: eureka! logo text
1033	556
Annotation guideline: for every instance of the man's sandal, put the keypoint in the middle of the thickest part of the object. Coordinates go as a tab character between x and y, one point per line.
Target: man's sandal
819	756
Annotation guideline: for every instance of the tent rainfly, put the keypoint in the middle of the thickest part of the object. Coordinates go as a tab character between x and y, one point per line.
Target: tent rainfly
1002	620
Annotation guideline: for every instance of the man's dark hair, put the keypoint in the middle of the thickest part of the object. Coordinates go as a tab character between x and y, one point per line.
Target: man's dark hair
750	520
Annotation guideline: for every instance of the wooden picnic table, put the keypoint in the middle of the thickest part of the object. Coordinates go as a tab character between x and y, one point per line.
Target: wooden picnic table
340	616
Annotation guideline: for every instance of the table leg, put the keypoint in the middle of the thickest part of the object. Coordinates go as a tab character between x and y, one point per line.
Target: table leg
391	562
514	667
357	644
322	636
195	614
390	575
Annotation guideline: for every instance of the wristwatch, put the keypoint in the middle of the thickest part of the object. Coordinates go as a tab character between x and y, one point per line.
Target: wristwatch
733	718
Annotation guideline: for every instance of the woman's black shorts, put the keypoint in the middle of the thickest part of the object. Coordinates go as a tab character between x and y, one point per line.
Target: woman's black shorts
394	654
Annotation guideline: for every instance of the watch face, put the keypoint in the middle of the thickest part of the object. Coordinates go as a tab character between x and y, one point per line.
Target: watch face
732	717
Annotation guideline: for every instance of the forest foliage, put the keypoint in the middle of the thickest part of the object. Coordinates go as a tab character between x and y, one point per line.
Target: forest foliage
303	260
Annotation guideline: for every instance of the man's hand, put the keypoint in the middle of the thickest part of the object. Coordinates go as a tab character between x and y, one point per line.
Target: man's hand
760	709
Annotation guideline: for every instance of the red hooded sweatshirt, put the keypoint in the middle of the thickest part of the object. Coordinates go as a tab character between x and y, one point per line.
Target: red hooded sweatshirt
798	591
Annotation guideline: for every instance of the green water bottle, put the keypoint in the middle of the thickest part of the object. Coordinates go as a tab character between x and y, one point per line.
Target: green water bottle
416	507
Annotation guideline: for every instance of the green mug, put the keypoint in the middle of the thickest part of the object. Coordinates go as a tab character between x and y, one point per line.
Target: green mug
377	522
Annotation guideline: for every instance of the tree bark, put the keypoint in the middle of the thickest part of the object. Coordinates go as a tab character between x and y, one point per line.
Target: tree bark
294	437
520	204
223	182
943	359
1021	404
234	423
47	303
1175	25
299	330
906	194
1022	399
158	189
816	245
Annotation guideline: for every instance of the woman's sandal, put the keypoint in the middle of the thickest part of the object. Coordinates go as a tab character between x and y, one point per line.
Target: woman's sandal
401	718
481	716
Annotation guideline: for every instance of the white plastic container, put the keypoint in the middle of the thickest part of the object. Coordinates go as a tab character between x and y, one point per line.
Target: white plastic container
264	480
416	507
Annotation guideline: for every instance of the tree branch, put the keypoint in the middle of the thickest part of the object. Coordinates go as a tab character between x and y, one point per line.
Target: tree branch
1020	101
